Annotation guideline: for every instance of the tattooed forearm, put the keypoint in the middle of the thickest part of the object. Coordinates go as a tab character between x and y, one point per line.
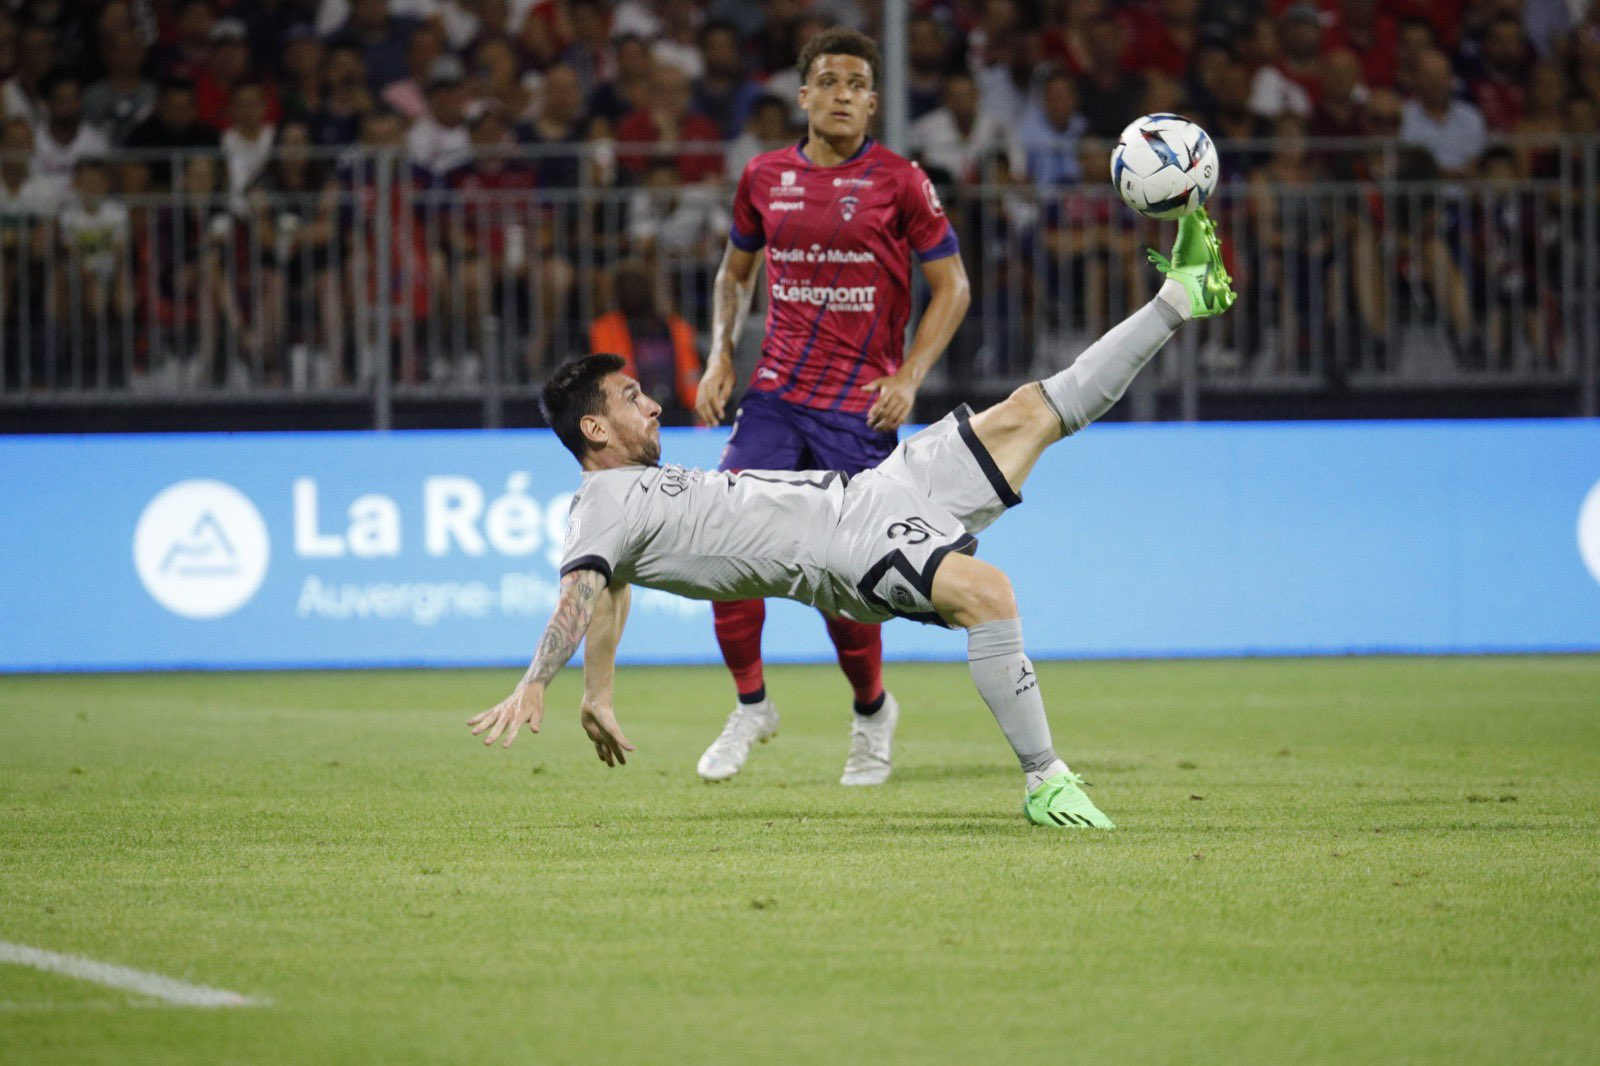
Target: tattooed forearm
567	626
730	303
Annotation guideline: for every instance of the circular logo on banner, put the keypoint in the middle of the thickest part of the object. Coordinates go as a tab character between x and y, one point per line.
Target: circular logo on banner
1589	531
201	548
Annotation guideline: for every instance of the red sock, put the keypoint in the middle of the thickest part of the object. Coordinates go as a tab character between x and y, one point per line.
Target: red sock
860	648
739	625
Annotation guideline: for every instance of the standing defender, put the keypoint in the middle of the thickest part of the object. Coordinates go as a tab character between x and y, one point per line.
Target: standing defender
894	541
840	217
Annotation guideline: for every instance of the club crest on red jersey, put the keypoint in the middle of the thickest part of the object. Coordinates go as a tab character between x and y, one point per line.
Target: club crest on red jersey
848	205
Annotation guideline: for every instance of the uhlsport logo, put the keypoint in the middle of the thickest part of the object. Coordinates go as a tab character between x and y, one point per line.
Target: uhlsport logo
1589	531
201	548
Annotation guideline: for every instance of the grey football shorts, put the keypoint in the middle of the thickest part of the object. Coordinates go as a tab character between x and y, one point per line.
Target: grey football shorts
932	495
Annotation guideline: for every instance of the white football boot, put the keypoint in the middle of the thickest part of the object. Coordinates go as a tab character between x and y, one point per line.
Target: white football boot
871	745
749	723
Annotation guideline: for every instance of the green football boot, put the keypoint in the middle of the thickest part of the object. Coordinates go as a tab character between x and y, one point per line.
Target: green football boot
1059	801
1196	264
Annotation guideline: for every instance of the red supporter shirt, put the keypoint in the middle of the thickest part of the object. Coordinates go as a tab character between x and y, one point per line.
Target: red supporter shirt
839	242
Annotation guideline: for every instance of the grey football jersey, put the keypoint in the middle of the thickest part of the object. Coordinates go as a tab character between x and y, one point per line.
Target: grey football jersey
709	534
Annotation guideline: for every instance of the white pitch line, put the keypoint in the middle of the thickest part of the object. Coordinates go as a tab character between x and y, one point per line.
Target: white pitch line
171	990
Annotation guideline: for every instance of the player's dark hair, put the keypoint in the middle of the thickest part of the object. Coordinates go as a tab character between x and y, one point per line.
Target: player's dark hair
574	391
840	42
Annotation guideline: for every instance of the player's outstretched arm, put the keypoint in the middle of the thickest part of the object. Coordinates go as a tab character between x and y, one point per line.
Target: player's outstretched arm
525	706
951	295
730	303
599	670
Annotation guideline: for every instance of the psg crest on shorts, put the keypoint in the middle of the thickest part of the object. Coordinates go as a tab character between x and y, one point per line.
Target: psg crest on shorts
847	206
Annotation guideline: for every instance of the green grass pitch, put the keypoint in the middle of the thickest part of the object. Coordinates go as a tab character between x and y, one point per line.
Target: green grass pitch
1341	861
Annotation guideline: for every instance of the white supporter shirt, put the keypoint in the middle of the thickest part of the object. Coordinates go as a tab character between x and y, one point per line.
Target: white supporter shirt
53	161
246	157
436	148
1456	141
95	236
939	142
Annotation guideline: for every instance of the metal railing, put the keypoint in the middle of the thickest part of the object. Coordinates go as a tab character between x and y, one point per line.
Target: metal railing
378	284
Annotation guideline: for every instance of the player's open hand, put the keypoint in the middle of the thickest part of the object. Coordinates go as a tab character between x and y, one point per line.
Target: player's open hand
893	405
600	722
716	384
524	707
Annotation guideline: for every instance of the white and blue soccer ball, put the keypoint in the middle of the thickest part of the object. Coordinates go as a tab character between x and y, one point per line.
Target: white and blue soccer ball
1164	166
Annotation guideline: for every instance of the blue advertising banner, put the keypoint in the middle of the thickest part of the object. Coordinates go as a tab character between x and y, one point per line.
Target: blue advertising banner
332	549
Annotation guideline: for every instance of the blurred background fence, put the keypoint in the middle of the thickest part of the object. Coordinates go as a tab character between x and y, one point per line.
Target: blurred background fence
178	288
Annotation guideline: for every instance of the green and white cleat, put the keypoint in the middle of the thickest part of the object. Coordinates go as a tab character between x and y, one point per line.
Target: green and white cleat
1196	264
1060	801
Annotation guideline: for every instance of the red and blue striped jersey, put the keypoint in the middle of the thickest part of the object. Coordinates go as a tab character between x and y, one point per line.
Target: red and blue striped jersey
839	242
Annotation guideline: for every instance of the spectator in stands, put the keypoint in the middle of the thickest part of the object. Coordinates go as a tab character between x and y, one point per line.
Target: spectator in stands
94	237
557	129
496	80
1541	119
1363	27
591	53
679	43
659	346
1232	119
766	131
630	90
668	219
1451	130
124	97
185	57
248	142
1046	147
303	64
1338	110
1505	230
1497	74
1290	82
725	93
362	203
1165	35
1106	86
784	83
26	235
1293	251
172	128
198	307
22	95
667	126
9	30
382	39
23	194
1582	50
269	26
928	60
408	96
347	101
64	138
493	220
1414	37
1002	58
439	141
293	215
951	139
227	65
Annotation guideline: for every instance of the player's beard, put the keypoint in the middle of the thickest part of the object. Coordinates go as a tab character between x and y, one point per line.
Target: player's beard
649	449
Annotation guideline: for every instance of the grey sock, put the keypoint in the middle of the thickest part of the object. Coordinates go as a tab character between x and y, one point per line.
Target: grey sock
1102	372
1007	683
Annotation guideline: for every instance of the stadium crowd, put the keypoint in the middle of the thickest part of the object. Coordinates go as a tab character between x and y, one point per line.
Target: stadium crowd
550	147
